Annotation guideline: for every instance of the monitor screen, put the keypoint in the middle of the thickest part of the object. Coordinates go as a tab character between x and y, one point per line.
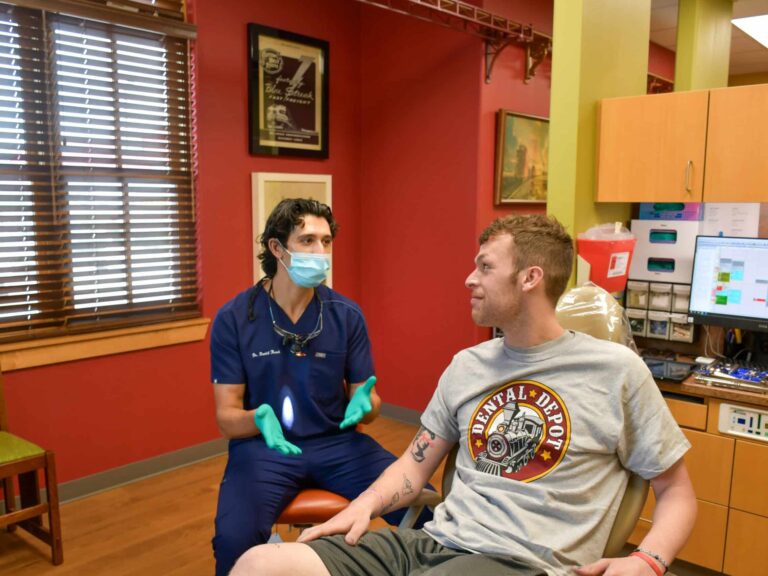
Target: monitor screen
729	284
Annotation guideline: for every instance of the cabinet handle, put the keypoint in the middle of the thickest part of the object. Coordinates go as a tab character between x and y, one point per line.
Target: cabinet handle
688	168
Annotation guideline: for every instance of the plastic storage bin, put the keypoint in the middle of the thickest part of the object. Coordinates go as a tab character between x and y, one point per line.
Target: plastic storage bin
681	298
660	297
658	325
679	329
637	294
637	321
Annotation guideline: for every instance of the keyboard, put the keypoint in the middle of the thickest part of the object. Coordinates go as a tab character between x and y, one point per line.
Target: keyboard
750	377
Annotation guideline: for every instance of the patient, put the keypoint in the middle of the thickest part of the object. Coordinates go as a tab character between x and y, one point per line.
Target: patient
549	424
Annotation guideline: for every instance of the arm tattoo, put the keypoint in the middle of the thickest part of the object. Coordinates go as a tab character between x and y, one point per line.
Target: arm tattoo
395	500
421	442
407	486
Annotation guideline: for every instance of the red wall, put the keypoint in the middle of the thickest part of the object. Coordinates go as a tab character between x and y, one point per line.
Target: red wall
411	140
420	100
661	61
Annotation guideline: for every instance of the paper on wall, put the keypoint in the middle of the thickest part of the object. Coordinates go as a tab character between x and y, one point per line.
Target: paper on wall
731	219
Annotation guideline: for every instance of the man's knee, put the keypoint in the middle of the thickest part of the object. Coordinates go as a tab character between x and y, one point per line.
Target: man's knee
279	560
229	545
260	556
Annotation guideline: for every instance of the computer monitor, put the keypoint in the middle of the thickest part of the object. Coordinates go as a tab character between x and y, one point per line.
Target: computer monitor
729	284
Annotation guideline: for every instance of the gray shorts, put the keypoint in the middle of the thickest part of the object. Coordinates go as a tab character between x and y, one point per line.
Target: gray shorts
410	553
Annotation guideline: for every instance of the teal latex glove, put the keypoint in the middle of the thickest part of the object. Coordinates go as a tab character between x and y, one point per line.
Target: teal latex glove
270	428
359	405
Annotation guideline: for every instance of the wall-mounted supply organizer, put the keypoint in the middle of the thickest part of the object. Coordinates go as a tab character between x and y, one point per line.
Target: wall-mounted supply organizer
664	250
659	310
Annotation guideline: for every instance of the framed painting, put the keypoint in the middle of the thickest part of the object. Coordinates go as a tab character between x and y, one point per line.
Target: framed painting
287	93
522	151
268	188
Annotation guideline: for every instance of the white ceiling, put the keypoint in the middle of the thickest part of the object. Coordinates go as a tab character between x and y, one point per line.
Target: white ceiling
747	55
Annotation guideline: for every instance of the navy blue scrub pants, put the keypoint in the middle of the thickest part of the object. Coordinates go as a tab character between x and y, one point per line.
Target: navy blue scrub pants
259	483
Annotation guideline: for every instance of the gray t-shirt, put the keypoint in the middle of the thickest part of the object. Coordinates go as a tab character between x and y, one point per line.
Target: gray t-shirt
547	435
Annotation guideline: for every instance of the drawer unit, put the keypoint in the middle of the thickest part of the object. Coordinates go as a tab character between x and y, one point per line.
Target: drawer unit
690	414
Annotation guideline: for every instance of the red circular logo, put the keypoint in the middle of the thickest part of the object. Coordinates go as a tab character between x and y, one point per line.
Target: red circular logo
520	431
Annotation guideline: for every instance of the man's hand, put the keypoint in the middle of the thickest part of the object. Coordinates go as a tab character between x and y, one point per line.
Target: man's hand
359	405
352	521
272	431
630	566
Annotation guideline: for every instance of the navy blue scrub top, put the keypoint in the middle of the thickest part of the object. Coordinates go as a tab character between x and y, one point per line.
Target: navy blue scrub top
307	393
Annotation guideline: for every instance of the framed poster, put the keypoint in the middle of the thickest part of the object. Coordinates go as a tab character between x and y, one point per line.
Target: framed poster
287	93
268	188
522	155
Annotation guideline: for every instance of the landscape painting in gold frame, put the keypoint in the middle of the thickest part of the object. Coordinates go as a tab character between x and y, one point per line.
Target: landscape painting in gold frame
522	151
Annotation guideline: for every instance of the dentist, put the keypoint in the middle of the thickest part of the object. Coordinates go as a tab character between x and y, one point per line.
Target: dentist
292	372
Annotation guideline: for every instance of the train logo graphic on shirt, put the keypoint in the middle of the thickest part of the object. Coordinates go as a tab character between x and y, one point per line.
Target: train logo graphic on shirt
520	431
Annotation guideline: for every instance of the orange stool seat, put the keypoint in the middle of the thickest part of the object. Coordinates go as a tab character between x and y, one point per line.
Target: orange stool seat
312	506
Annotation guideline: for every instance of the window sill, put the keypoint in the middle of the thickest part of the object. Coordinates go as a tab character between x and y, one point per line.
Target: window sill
18	355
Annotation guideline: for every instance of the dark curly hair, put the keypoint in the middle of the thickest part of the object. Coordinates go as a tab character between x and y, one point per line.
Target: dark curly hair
286	216
539	240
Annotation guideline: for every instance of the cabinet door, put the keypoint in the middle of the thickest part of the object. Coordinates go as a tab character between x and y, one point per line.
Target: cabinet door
651	148
750	478
737	140
709	463
706	545
745	553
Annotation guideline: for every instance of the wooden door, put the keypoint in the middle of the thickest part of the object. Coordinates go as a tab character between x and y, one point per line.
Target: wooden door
737	145
651	148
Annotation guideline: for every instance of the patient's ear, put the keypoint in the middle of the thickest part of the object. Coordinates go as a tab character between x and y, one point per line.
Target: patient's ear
532	277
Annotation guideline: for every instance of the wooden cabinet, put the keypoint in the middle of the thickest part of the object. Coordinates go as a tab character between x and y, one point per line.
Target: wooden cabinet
688	414
729	476
705	546
698	146
750	478
737	141
709	465
744	554
651	148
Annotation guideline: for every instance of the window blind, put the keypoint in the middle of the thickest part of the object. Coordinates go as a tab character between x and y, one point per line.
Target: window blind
96	201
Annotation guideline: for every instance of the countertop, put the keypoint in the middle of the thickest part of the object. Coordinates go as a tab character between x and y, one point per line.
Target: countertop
692	388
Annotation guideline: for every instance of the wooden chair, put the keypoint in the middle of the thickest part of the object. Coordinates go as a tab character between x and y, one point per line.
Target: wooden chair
23	460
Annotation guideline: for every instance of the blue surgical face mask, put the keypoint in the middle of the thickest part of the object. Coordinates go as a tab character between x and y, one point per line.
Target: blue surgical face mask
307	270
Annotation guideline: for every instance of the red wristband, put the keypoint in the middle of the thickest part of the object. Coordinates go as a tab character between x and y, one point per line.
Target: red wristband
650	561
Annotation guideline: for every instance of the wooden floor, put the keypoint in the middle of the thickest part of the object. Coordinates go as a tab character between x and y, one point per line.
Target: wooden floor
159	526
